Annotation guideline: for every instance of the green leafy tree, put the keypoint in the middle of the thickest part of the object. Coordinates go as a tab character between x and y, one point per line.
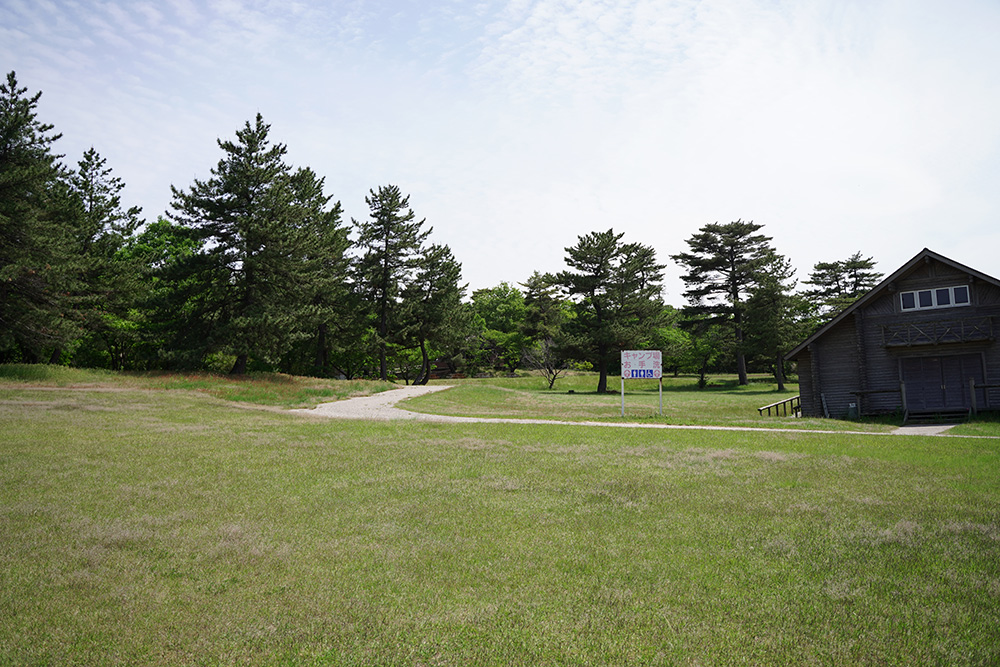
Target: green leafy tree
391	242
724	264
616	289
38	267
258	256
501	312
836	285
355	352
707	343
170	300
672	340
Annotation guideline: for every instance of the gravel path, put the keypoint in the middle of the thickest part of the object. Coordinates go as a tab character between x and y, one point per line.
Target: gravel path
382	407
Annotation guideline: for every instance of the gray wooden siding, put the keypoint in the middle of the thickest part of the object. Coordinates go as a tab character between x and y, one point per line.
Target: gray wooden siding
807	394
882	370
987	299
852	356
985	294
838	367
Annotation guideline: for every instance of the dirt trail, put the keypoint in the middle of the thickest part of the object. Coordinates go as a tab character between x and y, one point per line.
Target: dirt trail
381	406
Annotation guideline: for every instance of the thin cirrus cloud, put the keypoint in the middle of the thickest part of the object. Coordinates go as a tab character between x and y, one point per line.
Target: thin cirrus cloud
516	126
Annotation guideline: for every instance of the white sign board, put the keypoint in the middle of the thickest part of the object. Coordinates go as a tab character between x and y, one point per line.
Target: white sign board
642	364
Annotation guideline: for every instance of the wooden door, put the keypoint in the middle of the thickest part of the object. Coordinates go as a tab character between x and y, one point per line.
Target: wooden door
922	377
940	382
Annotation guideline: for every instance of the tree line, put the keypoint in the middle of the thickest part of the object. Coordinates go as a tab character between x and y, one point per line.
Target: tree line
255	268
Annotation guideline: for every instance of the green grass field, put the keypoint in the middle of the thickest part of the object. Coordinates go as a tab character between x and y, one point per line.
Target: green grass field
722	403
146	523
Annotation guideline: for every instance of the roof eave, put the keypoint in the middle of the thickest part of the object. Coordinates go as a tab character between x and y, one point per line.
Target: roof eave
876	291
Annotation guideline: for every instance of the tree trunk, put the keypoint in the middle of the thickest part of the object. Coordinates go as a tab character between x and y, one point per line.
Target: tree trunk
425	366
741	361
602	382
322	360
741	368
240	367
28	355
779	372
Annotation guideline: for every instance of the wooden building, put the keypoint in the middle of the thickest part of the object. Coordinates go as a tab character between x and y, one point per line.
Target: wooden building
922	342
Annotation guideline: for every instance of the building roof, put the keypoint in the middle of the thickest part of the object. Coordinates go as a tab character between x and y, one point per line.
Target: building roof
876	291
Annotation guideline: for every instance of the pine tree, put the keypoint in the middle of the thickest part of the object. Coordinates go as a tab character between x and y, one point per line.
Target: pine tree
37	212
545	311
258	261
724	264
839	284
391	242
326	295
616	289
432	306
110	280
774	321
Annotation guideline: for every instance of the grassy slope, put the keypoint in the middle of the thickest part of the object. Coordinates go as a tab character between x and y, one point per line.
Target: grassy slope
165	527
271	389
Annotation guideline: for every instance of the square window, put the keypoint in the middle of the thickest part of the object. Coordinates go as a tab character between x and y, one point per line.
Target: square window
961	295
943	297
909	300
925	298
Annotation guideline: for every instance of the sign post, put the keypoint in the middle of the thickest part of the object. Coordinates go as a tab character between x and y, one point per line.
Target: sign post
642	364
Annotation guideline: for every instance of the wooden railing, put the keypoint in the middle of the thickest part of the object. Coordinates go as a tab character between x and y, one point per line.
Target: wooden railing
936	332
782	407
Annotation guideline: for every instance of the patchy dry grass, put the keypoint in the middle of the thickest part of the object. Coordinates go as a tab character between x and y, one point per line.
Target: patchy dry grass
272	389
165	527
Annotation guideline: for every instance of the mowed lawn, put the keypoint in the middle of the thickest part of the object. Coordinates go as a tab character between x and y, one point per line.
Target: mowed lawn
161	527
574	399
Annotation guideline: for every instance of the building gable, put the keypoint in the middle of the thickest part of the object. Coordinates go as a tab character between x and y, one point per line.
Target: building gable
927	270
929	326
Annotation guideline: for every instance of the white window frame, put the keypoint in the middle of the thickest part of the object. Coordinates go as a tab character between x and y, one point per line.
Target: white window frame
934	298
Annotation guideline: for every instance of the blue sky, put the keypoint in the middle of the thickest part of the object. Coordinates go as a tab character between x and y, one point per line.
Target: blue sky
516	126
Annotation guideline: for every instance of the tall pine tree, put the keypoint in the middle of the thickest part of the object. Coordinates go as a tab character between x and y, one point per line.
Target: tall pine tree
616	290
391	242
724	264
432	305
37	213
258	260
326	295
110	279
774	315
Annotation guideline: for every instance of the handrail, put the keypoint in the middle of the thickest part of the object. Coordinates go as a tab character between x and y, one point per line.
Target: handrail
783	406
